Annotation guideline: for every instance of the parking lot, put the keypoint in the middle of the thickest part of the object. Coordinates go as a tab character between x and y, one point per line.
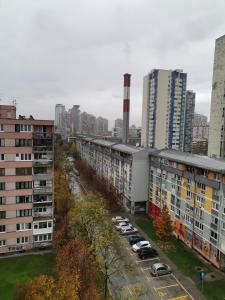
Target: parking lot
140	284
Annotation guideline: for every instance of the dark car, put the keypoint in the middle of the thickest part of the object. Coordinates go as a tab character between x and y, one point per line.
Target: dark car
147	252
134	239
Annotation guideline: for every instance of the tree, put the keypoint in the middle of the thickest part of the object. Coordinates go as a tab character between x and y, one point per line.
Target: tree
73	150
107	252
47	288
73	261
86	218
163	225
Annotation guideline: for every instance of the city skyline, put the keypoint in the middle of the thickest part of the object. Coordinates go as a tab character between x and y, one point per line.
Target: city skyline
74	68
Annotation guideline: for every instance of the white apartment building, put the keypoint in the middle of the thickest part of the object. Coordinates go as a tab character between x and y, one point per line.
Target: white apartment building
164	110
216	145
121	167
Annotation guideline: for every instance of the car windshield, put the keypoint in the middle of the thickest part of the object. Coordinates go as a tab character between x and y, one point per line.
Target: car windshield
139	244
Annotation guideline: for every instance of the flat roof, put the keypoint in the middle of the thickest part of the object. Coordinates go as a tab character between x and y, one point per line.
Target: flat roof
195	160
125	148
103	142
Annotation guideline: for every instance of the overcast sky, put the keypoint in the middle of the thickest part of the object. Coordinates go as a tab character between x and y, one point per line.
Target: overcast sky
76	51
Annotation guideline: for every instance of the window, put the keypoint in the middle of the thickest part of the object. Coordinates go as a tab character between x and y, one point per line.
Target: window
24	213
43	183
2	214
215	206
23	171
23	226
40	170
199	225
23	185
2	200
2	142
23	199
2	172
2	186
1	127
40	209
215	220
24	240
23	127
2	243
23	156
213	235
42	237
23	143
2	156
2	228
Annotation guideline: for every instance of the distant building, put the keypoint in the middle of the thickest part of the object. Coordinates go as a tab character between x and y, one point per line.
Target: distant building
200	127
189	116
133	132
217	113
88	124
74	119
60	123
200	146
118	129
164	110
102	126
26	181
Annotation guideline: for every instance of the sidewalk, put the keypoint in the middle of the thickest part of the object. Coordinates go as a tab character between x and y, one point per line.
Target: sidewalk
27	253
185	281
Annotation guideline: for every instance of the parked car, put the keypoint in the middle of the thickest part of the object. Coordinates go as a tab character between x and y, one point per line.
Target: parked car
119	219
147	253
126	230
160	269
134	239
123	224
140	245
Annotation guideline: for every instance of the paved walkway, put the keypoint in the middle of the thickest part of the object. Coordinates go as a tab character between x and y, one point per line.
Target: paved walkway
27	253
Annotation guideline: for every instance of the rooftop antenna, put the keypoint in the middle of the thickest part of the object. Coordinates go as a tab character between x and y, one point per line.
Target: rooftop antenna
14	102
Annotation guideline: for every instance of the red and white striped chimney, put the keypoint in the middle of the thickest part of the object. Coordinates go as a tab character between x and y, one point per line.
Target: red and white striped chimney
126	107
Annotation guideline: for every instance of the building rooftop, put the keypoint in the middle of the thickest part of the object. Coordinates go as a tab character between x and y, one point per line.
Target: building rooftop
195	160
125	148
103	142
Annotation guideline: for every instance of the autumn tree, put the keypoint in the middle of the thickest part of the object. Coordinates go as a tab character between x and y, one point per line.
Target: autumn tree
163	225
47	288
73	260
107	249
86	218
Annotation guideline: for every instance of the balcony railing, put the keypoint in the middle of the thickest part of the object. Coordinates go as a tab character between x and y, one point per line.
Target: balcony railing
42	190
42	135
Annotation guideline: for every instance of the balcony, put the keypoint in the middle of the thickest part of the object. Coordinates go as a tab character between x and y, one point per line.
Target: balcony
42	135
42	162
42	177
213	241
43	148
214	226
43	190
43	212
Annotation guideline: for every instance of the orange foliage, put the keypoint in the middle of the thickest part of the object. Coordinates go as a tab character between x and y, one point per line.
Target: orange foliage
163	224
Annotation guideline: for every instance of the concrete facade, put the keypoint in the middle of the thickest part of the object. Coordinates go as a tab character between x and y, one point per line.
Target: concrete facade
164	110
26	183
216	145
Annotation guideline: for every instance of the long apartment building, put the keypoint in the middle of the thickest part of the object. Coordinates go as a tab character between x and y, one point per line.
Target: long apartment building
26	181
121	167
193	188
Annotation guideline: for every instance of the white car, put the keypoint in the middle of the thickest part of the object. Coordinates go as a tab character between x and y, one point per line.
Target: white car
119	219
122	225
140	245
130	230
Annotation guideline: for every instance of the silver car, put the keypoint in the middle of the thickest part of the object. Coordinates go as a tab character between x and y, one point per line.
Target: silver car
160	269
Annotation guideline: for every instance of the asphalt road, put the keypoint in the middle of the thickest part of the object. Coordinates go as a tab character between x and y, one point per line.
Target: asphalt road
136	282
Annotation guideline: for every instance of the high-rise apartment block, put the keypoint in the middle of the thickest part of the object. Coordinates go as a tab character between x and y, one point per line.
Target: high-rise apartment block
26	181
200	127
102	126
60	119
217	115
164	110
189	117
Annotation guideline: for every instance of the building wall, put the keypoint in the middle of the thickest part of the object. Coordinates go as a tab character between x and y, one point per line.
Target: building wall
189	117
164	109
19	208
217	114
195	199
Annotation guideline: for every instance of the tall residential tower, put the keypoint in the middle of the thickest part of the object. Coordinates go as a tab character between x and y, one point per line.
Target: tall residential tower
164	110
217	114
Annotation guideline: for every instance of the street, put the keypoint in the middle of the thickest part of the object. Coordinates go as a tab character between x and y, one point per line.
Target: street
134	281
